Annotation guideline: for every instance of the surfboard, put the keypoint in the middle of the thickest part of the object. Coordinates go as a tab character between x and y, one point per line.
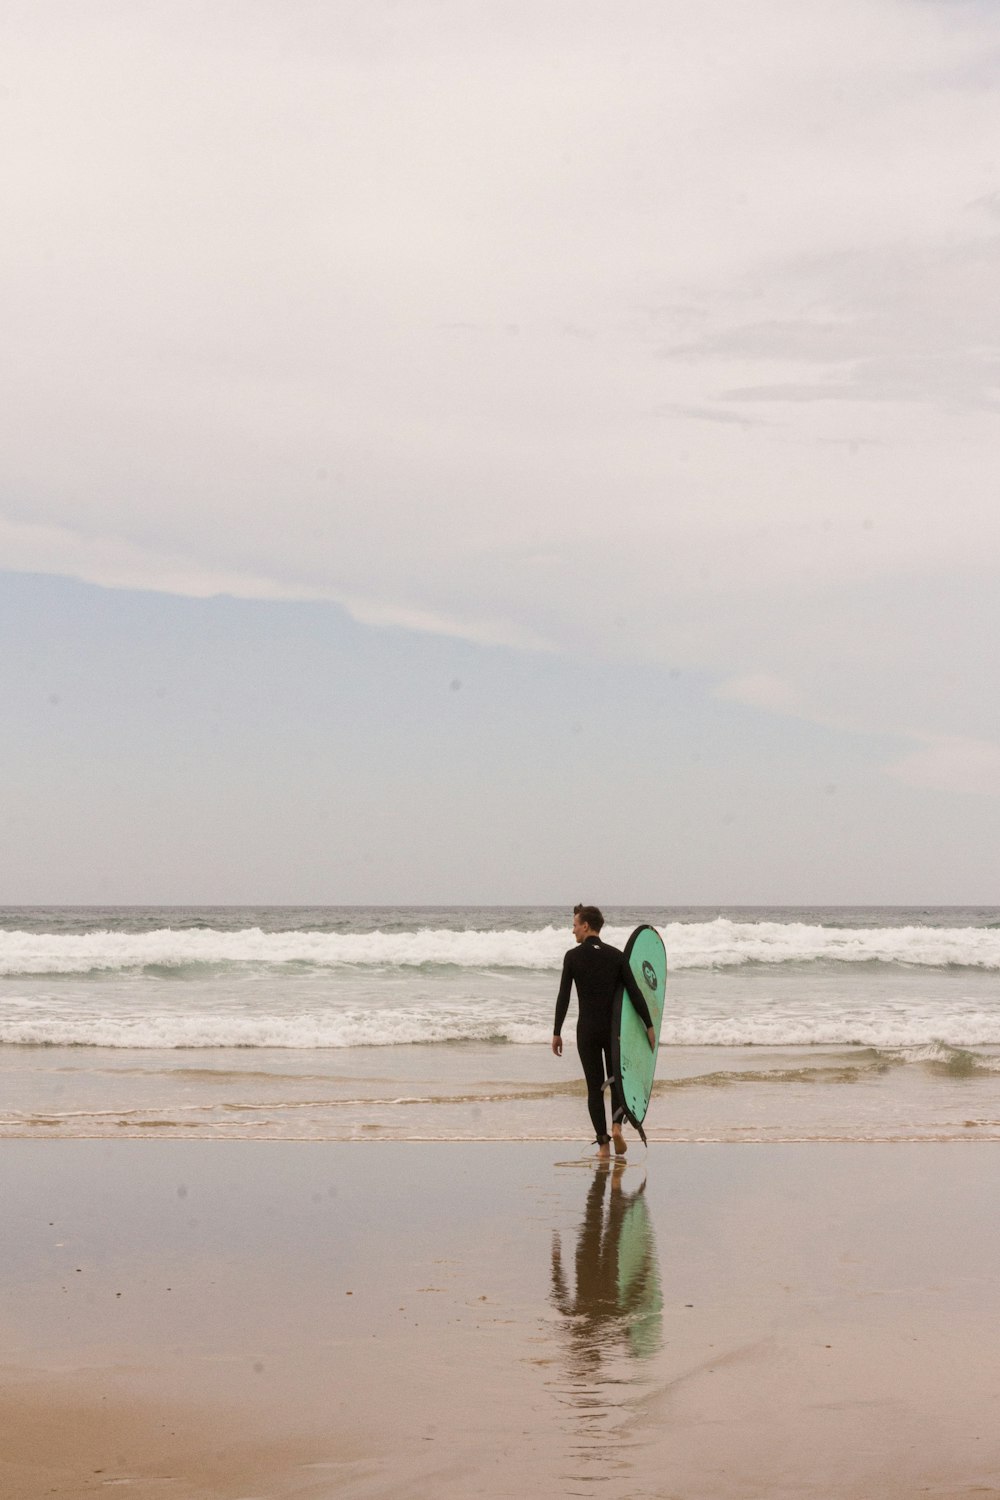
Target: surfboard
640	1295
632	1058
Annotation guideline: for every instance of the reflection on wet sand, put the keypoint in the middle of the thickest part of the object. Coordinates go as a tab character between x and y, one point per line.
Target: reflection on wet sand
611	1318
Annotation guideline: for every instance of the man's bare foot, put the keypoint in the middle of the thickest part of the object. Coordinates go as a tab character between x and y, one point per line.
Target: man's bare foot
621	1144
604	1152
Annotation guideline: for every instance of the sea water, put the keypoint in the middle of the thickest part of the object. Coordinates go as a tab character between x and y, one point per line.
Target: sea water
392	1022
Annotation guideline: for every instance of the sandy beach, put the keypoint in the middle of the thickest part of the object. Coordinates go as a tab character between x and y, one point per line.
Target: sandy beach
270	1319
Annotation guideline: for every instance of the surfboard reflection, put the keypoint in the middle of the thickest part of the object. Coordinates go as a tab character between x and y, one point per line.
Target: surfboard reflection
617	1301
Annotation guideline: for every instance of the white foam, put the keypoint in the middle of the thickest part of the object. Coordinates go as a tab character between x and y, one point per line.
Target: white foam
725	944
352	1028
44	953
104	1019
718	944
921	1036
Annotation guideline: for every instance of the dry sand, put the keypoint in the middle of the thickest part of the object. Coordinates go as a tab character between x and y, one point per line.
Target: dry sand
235	1320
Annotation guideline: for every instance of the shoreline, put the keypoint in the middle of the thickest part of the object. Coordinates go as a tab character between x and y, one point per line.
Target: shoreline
479	1092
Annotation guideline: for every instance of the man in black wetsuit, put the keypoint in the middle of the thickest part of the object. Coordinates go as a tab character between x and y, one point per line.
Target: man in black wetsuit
598	970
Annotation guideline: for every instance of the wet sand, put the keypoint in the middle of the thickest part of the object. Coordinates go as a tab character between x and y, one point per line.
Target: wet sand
268	1319
475	1091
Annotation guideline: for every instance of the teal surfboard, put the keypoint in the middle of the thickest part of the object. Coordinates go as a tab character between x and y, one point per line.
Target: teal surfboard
640	1296
632	1058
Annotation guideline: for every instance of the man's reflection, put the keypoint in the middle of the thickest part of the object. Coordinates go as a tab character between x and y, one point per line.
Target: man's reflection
617	1302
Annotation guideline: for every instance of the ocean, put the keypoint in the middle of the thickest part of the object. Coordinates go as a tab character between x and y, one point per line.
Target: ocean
867	1023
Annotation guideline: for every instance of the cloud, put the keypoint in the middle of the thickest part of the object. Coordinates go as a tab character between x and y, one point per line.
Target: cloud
483	632
760	690
904	323
709	414
116	562
951	764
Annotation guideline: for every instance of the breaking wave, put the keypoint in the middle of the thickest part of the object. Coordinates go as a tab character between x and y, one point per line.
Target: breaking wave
719	944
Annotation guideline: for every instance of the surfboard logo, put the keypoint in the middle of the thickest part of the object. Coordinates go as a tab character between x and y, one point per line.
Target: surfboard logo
649	975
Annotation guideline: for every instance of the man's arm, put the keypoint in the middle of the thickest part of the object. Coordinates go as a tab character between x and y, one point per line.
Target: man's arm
562	1005
638	999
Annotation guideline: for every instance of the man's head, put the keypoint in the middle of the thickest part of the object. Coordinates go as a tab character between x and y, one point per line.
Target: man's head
587	922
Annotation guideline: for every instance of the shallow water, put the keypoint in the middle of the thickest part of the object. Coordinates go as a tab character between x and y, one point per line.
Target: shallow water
472	1091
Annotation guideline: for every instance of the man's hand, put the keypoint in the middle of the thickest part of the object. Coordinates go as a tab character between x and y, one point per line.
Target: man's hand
652	1038
557	1045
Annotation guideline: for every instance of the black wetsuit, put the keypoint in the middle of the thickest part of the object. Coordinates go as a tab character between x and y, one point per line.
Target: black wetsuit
598	970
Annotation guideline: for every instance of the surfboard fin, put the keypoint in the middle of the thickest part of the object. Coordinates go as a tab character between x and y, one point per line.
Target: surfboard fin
630	1117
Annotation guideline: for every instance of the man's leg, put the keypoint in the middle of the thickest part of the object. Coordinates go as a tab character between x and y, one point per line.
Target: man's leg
617	1105
591	1050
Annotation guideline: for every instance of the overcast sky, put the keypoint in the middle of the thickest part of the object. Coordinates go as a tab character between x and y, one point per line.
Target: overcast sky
634	368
